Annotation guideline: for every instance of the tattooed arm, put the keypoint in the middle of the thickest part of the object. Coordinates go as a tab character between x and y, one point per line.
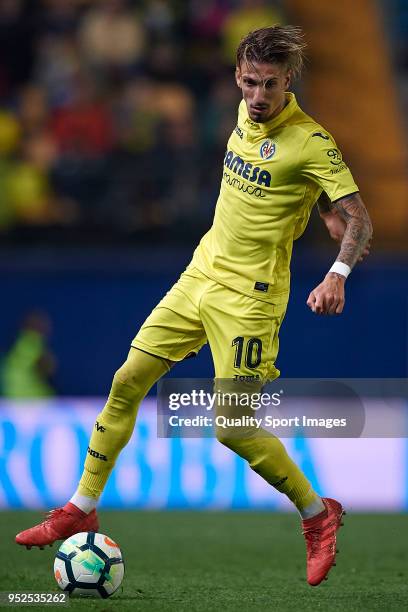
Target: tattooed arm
328	297
336	225
359	229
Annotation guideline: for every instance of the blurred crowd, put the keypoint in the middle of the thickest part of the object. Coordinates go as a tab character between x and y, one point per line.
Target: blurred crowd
114	115
398	34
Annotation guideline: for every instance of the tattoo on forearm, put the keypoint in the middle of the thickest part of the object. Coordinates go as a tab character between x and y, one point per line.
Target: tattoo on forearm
324	204
358	231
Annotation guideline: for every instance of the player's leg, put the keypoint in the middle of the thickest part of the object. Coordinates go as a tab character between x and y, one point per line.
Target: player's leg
114	425
112	430
169	334
243	336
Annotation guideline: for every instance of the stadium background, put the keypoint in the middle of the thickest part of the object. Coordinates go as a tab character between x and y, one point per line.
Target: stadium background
113	122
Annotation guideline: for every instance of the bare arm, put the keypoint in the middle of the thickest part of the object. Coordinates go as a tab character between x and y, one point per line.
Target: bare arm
359	229
328	297
335	221
336	226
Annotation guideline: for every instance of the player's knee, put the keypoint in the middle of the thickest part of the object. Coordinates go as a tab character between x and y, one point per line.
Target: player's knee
226	438
123	375
127	380
241	440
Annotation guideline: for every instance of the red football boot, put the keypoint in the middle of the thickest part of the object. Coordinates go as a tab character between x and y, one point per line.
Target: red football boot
59	525
320	535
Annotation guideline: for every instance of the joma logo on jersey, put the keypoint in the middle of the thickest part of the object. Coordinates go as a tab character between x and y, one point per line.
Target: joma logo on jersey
238	131
267	149
248	171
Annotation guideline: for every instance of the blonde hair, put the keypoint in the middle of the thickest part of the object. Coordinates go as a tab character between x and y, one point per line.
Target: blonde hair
282	45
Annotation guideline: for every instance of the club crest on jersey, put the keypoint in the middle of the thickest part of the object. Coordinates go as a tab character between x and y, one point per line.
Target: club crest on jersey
267	149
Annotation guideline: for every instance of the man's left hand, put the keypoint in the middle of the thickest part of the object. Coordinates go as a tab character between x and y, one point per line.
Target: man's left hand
328	297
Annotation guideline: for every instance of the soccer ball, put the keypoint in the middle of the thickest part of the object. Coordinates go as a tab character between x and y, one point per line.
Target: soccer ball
89	565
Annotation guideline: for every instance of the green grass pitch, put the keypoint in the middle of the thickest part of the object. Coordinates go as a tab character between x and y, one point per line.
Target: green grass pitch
222	561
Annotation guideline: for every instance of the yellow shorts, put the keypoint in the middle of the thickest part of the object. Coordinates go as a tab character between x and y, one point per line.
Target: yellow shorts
242	331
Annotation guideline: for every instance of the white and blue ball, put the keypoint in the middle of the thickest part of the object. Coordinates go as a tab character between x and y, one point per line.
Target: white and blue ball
89	565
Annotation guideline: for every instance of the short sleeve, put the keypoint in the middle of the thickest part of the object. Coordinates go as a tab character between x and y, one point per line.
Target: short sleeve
322	162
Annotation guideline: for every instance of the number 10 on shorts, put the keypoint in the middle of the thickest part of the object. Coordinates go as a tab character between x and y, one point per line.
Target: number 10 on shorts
253	352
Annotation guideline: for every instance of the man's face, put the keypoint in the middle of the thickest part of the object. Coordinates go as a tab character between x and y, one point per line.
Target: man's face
263	88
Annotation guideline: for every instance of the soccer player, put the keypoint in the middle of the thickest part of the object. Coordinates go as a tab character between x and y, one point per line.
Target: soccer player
279	163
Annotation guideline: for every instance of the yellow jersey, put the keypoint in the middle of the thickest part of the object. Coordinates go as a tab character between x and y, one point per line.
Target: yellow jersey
273	175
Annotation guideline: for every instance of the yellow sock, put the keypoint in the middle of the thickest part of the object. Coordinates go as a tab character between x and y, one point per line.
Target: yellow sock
114	425
267	456
264	452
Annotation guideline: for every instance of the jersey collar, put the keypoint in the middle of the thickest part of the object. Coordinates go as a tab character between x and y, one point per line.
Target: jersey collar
268	126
